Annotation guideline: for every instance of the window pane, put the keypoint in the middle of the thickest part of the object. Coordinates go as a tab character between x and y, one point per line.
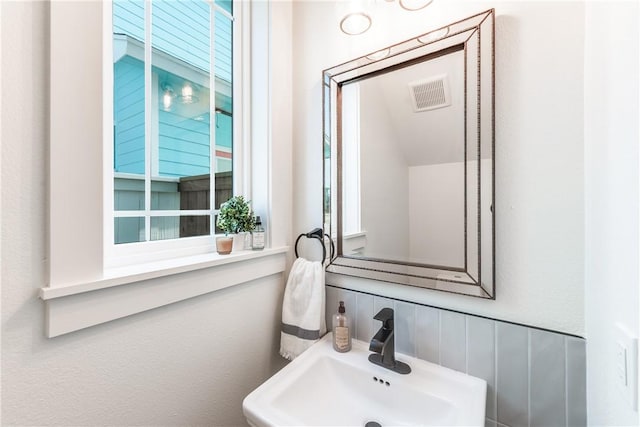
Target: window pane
128	230
224	105
129	193
166	227
164	194
225	4
128	104
189	131
181	141
173	227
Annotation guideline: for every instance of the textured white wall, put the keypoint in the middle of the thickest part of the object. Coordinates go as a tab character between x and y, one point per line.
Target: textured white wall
539	147
190	363
611	196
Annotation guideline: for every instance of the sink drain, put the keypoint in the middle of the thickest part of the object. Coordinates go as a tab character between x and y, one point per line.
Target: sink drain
373	424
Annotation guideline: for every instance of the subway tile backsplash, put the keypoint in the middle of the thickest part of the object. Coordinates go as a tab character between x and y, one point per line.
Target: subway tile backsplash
512	376
534	377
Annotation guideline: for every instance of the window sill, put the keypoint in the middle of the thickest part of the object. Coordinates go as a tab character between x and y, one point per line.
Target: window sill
77	306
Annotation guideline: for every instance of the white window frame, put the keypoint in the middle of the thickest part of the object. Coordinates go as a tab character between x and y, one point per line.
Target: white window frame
81	291
125	254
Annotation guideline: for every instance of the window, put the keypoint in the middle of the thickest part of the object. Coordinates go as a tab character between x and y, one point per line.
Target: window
86	286
172	140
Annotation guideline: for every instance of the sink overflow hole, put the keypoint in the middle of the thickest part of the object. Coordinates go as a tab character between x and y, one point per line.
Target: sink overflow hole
373	424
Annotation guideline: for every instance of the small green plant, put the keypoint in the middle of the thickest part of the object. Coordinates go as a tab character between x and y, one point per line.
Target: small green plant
236	216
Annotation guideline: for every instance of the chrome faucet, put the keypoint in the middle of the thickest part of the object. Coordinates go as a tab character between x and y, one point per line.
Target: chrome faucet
384	346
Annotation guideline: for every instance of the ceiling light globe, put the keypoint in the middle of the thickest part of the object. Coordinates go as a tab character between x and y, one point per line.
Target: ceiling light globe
414	4
355	23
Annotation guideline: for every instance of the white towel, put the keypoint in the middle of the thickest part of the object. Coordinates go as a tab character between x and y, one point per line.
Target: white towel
303	310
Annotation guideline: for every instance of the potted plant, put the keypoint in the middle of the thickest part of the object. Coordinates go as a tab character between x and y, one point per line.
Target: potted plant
235	216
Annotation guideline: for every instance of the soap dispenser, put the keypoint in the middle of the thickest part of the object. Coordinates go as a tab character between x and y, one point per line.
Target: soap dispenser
257	236
341	330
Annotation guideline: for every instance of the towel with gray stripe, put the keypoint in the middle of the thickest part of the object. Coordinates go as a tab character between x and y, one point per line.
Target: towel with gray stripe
303	308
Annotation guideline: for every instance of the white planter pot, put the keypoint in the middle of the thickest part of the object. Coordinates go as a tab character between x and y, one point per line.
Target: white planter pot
239	240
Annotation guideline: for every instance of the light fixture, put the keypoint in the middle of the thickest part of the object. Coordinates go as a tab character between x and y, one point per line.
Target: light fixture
414	4
167	97
355	23
187	95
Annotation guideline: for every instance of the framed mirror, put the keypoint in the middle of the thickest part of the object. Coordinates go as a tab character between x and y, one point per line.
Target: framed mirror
409	161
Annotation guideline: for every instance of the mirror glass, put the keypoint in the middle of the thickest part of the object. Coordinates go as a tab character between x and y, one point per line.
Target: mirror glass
408	146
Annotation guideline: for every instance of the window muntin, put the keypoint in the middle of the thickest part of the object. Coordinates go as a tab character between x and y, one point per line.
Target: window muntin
167	150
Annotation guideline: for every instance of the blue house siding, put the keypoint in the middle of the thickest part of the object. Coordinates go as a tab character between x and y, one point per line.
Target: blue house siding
128	18
128	98
180	29
183	142
223	43
224	135
184	145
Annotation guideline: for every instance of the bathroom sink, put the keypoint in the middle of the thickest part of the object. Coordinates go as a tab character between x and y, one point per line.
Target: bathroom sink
323	387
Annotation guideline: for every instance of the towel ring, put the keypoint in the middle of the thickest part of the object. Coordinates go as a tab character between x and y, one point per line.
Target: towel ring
332	248
316	233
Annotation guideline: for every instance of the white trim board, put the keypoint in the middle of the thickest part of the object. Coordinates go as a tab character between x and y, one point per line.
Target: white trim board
77	307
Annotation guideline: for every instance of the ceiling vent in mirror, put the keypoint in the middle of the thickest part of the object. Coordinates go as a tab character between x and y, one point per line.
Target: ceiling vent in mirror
429	94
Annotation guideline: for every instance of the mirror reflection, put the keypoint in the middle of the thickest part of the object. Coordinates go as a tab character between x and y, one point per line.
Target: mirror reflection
408	134
403	147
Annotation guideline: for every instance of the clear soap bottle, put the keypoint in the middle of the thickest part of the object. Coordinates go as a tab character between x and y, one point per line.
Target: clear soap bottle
341	330
257	236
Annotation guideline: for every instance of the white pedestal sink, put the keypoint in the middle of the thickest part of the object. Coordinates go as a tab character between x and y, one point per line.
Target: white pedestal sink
325	388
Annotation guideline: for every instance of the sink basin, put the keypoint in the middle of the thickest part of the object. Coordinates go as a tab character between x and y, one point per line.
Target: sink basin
325	388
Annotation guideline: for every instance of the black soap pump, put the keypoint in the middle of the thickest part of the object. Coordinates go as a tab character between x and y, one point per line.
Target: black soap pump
341	330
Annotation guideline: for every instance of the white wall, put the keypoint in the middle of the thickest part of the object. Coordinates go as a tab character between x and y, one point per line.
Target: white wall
539	147
436	208
189	363
351	204
384	177
611	199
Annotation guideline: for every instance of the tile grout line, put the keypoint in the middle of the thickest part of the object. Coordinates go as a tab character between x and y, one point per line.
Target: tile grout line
354	316
418	339
495	368
566	382
415	331
529	377
440	337
466	344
